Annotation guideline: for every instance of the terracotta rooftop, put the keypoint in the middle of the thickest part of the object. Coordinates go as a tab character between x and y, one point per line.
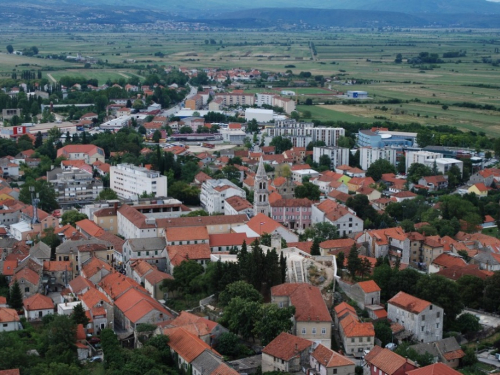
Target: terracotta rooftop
155	276
238	203
352	327
38	302
135	305
201	221
305	246
8	315
409	303
93	297
335	244
446	260
186	234
330	358
261	223
307	299
79	284
224	369
93	266
386	360
179	253
228	239
434	369
89	227
369	286
56	266
115	285
194	324
14	371
286	346
185	344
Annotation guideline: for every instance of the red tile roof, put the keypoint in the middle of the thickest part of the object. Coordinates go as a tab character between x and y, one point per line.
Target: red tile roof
8	315
261	223
481	187
156	276
352	327
238	203
434	369
135	305
79	283
307	299
305	246
336	244
369	286
286	346
409	303
89	227
186	234
38	302
330	358
455	273
10	372
447	260
94	265
179	253
229	239
224	369
387	361
185	344
344	307
93	297
56	266
115	285
80	149
28	275
194	324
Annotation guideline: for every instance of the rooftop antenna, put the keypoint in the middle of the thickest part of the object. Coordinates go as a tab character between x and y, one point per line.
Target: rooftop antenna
35	199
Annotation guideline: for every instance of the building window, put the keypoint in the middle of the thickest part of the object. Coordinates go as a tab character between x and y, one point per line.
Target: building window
423	317
304	331
27	289
323	331
352	340
314	331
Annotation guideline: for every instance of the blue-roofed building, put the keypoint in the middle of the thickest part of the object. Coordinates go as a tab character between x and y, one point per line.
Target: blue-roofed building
385	138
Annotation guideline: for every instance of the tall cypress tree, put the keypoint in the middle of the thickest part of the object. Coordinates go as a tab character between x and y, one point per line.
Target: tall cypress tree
16	297
283	267
315	247
78	316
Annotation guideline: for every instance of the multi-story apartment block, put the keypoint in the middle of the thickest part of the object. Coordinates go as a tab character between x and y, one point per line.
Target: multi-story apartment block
237	97
129	181
337	155
215	192
302	133
422	157
74	185
293	213
369	155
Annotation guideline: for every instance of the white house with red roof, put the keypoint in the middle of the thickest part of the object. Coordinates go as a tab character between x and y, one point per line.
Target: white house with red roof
338	215
392	242
9	320
328	362
37	306
215	192
89	153
286	353
422	318
381	361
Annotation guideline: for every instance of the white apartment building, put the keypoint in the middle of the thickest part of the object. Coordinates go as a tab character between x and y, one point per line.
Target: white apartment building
129	181
444	164
74	185
421	157
274	100
368	155
337	155
215	192
302	133
420	317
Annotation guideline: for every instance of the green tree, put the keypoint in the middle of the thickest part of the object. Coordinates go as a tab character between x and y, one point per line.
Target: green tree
383	332
156	136
79	316
187	194
491	300
45	191
272	321
240	289
281	144
308	190
378	168
353	262
401	165
405	351
16	297
315	250
58	341
71	217
417	171
10	49
186	273
107	194
467	323
469	286
313	144
424	138
325	162
442	292
228	344
241	316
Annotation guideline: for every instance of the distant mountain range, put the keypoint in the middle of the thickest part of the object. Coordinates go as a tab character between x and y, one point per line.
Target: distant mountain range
202	7
266	13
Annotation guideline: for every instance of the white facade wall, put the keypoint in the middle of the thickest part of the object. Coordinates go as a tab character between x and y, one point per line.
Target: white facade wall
338	155
129	181
265	99
421	157
426	326
368	155
347	224
328	135
37	314
259	115
213	200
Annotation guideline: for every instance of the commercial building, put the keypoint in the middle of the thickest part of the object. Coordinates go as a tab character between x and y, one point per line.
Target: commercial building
369	155
259	115
382	137
422	157
338	155
357	94
129	181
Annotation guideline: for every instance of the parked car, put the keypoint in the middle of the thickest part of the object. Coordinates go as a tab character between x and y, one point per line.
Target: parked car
391	346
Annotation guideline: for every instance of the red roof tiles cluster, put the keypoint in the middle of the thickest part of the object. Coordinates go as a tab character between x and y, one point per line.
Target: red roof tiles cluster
286	346
409	303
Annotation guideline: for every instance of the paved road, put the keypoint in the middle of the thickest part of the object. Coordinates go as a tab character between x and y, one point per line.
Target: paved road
489	359
485	319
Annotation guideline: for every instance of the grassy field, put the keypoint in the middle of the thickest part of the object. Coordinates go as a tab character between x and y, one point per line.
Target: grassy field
343	56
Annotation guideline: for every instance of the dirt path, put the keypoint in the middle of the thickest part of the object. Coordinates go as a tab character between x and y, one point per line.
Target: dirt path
51	78
124	75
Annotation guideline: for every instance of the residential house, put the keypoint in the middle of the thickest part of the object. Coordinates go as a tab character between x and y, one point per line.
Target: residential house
283	186
446	351
434	183
186	235
422	318
486	260
37	306
338	215
261	223
227	242
356	336
107	219
9	320
485	177
366	293
237	205
328	362
286	353
205	329
479	189
88	228
403	196
312	320
29	281
151	250
336	246
386	362
371	193
99	308
153	282
446	260
95	269
58	275
89	153
176	254
431	249
392	242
